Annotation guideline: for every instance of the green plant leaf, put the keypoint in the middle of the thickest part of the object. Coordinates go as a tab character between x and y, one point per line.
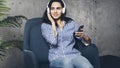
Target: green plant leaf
12	21
13	43
3	9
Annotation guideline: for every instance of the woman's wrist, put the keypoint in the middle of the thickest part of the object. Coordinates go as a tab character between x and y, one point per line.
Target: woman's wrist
54	30
87	38
55	33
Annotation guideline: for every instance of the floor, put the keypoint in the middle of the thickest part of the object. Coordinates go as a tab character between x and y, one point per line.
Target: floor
110	61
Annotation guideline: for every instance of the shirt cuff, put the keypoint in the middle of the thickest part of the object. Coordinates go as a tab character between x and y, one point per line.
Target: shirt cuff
84	42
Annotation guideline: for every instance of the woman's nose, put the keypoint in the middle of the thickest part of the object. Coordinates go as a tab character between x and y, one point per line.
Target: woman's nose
55	10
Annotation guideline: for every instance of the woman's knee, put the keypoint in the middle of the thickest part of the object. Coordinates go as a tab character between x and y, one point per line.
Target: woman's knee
86	65
82	62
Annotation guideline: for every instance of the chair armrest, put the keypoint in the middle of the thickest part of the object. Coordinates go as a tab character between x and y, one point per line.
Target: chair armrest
30	59
92	54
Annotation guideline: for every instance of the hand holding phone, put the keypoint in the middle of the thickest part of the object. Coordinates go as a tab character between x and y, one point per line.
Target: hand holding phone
79	33
85	39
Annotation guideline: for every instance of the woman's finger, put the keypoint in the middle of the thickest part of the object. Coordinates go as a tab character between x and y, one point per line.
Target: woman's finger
80	34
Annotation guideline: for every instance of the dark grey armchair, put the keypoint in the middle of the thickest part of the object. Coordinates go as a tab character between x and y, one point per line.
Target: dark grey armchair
36	49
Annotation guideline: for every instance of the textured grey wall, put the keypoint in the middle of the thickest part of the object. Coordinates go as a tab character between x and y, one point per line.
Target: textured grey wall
107	26
100	17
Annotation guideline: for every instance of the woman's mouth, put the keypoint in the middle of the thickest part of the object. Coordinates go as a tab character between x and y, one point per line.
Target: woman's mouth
55	15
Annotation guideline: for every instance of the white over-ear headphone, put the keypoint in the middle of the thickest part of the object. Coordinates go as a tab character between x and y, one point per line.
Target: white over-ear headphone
63	10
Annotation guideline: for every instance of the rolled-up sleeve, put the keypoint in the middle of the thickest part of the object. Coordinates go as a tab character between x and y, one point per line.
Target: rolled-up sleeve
48	34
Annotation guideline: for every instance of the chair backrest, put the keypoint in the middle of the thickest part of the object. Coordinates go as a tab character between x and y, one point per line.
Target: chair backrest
34	41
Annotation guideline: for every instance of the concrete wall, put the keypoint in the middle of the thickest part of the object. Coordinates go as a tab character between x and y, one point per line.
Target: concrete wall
100	17
107	26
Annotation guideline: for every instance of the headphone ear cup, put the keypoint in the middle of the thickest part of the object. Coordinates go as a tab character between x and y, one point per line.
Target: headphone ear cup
48	10
63	10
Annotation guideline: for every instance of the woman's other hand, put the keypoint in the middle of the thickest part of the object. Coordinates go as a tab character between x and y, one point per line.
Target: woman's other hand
53	24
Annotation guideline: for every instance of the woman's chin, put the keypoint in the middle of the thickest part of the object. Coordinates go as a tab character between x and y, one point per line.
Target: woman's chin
56	18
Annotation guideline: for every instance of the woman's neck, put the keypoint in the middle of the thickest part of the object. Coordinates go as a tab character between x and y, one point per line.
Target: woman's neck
60	24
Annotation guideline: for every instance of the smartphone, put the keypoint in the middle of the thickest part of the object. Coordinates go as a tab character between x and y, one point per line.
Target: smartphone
81	27
79	30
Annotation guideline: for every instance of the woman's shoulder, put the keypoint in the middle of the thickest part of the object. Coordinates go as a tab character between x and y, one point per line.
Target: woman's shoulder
69	20
45	25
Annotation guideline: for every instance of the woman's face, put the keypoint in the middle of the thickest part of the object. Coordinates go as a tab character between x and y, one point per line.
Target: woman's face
56	10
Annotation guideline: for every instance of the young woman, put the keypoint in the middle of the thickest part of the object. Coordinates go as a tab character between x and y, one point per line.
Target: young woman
59	31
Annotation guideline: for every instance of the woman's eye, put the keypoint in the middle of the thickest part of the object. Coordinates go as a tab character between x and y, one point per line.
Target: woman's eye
59	8
52	8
